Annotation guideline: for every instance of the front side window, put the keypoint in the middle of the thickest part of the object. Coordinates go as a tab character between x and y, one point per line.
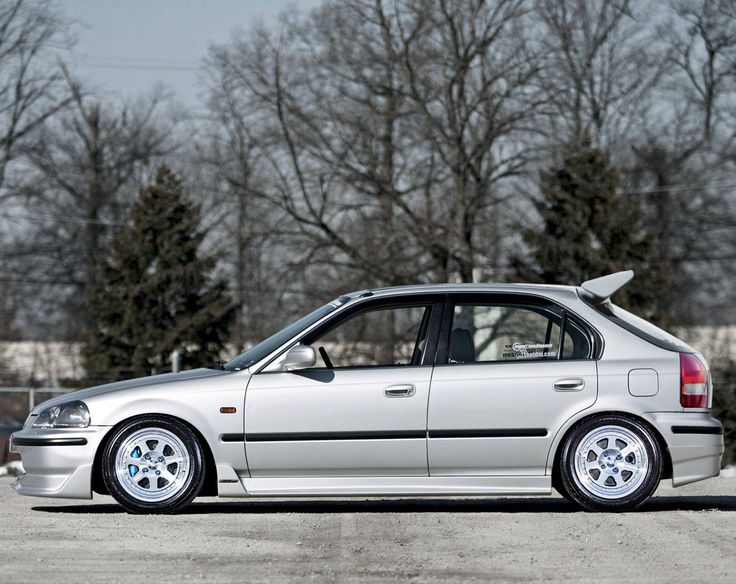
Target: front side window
395	336
514	332
264	348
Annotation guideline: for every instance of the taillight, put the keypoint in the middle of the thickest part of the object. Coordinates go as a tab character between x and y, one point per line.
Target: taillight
693	382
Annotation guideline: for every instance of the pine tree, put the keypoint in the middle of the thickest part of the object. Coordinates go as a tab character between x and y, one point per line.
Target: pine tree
590	229
156	293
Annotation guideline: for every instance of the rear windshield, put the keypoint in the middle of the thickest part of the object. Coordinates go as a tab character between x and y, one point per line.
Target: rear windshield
641	328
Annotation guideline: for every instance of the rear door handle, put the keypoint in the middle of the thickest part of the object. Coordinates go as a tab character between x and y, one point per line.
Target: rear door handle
571	384
404	390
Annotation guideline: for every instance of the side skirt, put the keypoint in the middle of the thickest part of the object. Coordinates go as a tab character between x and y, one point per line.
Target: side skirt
396	486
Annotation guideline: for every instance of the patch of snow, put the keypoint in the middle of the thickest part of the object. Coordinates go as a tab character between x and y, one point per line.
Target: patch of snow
3	471
15	468
728	472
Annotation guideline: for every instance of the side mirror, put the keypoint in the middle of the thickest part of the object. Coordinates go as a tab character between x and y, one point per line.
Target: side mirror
299	357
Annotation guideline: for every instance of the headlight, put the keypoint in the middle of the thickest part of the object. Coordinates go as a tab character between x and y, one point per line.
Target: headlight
71	415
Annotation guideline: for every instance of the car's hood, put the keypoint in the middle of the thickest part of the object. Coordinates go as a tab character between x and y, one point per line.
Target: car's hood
165	378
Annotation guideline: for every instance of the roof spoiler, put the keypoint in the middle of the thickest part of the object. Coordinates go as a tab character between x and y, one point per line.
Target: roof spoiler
604	287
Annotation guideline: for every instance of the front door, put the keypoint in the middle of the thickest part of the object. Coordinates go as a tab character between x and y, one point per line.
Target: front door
361	411
504	384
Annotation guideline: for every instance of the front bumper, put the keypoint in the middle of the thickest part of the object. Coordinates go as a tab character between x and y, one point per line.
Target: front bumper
695	444
57	463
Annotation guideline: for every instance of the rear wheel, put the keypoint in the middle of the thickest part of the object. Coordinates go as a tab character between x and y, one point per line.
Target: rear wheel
153	465
610	463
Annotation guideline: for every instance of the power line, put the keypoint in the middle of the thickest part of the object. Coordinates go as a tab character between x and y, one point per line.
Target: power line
722	258
37	281
40	218
79	219
149	67
131	63
174	62
683	187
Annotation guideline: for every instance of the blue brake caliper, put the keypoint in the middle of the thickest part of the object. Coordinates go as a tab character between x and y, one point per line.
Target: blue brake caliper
133	469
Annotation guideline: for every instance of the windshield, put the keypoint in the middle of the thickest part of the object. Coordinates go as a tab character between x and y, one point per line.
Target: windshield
262	349
642	328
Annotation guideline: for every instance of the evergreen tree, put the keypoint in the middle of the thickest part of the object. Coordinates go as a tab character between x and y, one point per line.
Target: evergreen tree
156	294
589	229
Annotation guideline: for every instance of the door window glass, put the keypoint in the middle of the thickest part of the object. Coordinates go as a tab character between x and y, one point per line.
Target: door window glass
577	342
380	337
506	332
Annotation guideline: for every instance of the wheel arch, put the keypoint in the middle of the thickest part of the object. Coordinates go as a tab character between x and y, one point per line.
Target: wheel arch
210	472
553	459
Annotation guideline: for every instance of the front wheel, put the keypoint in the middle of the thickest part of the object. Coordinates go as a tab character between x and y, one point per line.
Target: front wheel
610	463
153	465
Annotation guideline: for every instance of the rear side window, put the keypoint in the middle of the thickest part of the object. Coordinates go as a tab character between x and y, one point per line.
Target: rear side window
577	343
642	328
490	332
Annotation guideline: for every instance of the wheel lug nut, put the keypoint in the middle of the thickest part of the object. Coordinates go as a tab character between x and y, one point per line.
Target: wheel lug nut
615	470
145	470
160	458
158	472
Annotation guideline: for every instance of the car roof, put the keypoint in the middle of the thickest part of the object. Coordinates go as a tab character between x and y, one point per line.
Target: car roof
548	290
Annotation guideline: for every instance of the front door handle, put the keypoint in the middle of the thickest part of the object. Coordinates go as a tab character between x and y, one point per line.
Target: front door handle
405	390
571	384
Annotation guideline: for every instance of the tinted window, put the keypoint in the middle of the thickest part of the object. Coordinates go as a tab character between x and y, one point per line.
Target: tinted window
264	348
379	337
509	332
577	342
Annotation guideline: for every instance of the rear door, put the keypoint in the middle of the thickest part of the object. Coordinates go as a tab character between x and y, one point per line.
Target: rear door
506	379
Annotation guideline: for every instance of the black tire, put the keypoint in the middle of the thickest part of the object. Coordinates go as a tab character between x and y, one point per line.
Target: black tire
185	492
560	488
586	493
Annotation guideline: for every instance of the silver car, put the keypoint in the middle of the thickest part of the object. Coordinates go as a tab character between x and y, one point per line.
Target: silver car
455	389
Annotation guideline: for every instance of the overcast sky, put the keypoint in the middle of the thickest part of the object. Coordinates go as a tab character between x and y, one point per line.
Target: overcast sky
126	46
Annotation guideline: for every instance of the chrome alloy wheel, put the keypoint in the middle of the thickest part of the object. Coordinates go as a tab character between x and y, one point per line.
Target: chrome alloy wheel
611	462
152	465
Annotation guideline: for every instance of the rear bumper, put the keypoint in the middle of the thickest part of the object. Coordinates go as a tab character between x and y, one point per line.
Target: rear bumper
57	463
695	444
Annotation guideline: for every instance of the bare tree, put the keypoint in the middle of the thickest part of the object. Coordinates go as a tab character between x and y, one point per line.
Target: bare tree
82	172
683	154
325	136
468	68
704	53
599	68
387	154
243	224
31	85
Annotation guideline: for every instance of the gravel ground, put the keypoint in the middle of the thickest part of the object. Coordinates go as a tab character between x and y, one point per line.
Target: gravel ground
681	535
